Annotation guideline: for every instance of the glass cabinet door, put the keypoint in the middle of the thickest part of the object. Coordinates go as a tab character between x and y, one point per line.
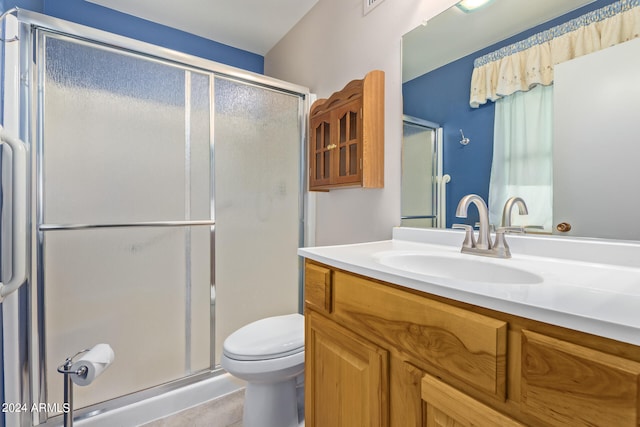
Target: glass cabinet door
349	154
321	148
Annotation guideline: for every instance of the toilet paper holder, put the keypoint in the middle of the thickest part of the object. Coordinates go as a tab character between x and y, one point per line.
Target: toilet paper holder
68	363
67	370
78	372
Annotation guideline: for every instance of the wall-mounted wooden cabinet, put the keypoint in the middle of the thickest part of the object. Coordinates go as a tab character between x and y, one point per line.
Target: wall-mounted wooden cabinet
346	136
382	356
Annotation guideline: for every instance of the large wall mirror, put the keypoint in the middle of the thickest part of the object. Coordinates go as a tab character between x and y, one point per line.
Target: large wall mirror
595	146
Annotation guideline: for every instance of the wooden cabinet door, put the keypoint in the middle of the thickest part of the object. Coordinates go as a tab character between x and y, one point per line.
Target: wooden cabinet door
348	153
449	407
568	384
346	376
320	147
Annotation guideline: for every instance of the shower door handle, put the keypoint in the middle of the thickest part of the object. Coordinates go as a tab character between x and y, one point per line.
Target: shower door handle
18	207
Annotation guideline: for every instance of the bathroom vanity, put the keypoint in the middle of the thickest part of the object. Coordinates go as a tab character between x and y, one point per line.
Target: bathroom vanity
410	332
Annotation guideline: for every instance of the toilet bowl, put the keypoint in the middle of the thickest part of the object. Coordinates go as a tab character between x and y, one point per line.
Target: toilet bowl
269	355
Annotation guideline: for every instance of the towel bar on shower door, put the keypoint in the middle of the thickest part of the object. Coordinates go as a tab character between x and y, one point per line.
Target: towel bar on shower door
53	227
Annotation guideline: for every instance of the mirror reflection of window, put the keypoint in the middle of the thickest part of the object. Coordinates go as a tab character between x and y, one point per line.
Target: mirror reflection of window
522	157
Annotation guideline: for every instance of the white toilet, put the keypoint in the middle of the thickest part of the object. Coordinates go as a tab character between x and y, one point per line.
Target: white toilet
269	355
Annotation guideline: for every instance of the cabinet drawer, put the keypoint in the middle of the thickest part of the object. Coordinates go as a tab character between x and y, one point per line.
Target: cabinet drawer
453	341
318	287
447	406
567	384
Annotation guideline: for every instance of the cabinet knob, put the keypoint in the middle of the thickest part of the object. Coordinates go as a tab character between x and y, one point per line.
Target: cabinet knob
563	227
331	146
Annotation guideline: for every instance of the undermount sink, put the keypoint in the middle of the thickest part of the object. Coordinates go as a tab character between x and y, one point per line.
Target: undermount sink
459	268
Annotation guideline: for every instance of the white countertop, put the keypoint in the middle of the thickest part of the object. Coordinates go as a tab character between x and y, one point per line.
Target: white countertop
585	284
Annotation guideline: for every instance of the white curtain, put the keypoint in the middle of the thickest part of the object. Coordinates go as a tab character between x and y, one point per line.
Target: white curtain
522	156
528	63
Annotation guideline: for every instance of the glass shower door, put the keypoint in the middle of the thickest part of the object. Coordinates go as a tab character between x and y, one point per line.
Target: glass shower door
419	171
258	214
124	211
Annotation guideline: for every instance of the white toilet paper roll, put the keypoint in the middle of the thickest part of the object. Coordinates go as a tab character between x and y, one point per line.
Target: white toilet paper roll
95	361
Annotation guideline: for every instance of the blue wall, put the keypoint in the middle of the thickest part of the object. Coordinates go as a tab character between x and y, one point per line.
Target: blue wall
93	15
442	96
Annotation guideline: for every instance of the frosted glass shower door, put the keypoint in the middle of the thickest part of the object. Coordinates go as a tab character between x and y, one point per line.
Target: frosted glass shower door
419	170
124	170
258	140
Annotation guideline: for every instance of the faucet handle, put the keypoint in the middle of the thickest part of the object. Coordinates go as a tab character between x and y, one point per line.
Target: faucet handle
500	245
510	229
469	238
533	227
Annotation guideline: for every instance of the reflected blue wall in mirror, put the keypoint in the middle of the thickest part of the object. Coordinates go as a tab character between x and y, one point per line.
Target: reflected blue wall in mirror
442	96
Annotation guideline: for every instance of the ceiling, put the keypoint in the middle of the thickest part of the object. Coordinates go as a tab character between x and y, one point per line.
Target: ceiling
252	25
454	34
258	25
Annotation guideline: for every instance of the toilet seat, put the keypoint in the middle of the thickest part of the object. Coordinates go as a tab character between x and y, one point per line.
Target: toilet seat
265	339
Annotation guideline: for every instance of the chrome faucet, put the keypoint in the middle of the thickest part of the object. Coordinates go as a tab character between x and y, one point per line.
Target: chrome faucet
483	245
508	207
483	242
522	210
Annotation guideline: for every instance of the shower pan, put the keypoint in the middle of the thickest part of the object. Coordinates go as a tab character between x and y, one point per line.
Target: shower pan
166	209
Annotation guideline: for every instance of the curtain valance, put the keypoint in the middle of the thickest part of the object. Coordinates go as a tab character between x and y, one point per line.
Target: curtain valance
525	64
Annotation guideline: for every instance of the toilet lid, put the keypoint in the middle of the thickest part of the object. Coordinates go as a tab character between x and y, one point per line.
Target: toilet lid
268	338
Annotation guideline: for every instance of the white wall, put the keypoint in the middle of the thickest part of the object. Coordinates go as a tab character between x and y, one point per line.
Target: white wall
332	45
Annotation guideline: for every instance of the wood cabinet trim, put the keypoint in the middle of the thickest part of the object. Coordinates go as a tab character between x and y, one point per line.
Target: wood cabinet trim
351	91
458	408
407	408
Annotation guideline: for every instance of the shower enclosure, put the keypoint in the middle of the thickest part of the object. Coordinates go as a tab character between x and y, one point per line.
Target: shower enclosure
423	185
166	211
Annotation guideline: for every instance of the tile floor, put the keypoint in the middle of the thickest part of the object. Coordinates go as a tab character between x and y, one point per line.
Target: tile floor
223	412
